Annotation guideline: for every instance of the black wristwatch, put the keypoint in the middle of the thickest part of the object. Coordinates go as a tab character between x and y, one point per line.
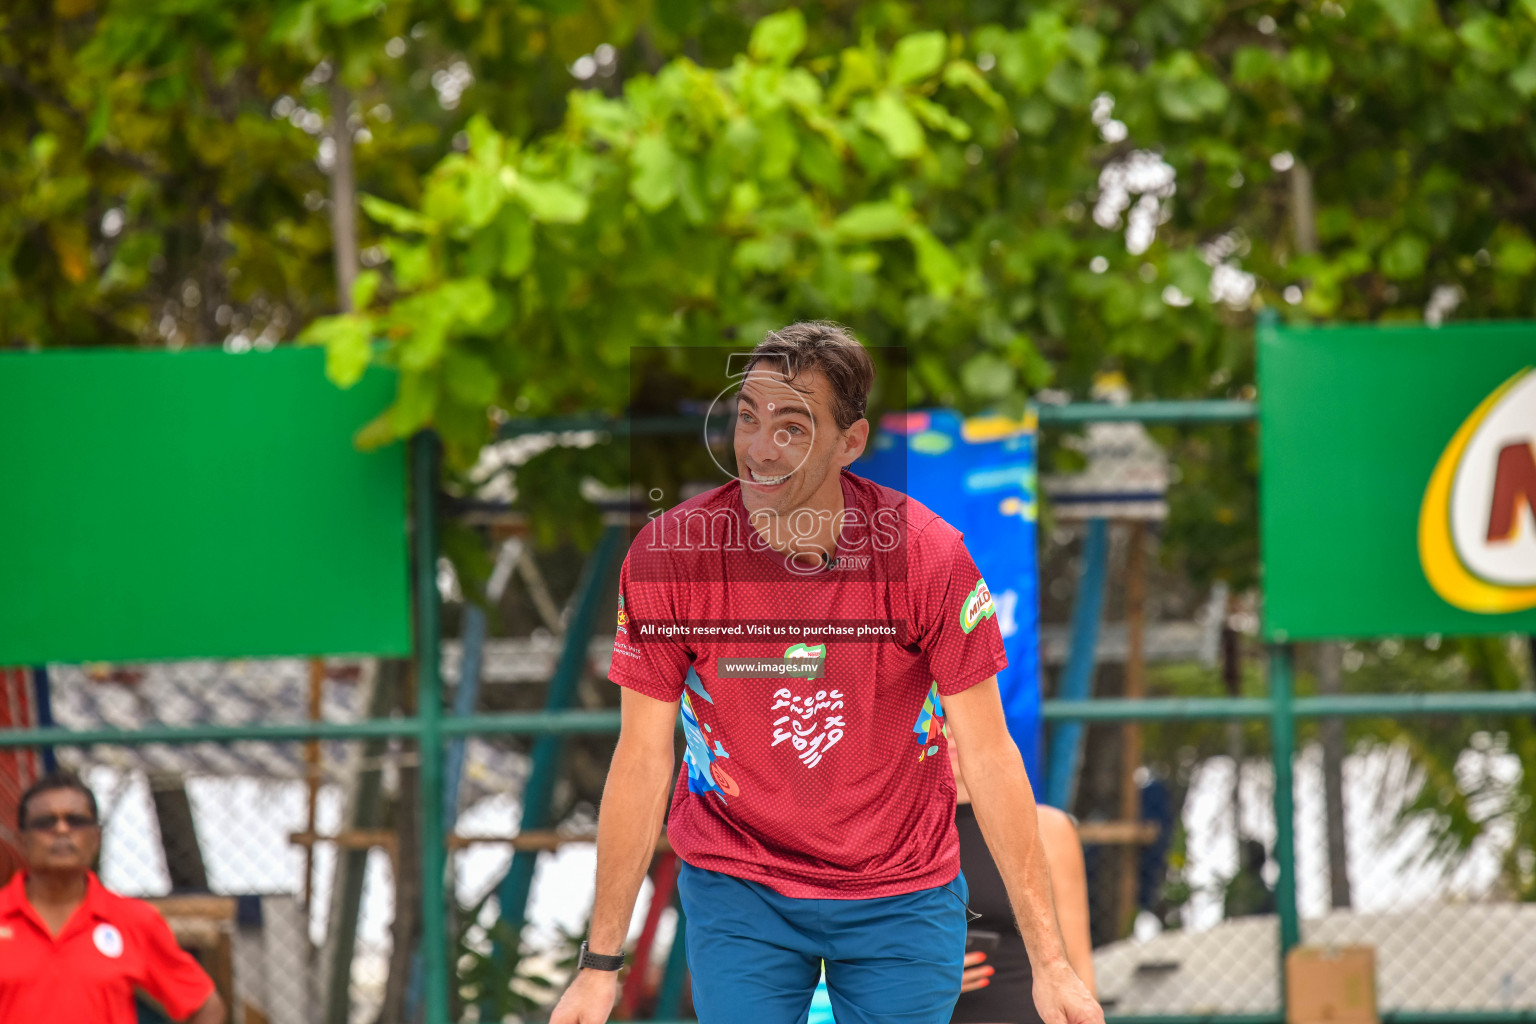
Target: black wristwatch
597	961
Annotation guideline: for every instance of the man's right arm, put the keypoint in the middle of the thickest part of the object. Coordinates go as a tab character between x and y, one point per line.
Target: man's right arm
628	822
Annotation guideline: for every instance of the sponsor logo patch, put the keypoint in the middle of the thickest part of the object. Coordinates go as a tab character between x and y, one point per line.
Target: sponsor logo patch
805	651
108	940
977	606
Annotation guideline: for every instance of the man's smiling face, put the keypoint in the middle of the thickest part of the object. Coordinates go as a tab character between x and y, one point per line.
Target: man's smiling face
787	439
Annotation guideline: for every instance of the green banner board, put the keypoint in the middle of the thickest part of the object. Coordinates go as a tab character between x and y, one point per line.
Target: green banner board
158	505
1398	480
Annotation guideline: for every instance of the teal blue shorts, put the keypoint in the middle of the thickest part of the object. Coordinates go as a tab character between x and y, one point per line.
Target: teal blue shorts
756	956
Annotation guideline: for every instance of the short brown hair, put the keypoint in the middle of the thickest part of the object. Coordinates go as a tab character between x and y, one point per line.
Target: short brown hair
830	348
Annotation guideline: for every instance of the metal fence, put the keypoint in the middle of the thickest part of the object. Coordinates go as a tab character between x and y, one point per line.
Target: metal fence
355	854
1257	867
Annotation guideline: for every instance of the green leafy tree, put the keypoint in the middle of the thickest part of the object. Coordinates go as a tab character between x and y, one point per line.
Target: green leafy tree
167	177
889	189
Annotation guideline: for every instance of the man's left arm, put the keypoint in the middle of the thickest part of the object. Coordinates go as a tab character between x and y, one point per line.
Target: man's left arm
173	978
211	1012
1005	809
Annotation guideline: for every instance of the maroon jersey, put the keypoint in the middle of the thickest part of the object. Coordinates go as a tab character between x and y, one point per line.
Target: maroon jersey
833	784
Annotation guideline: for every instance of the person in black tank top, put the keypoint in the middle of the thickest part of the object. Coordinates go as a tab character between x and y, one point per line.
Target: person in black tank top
998	986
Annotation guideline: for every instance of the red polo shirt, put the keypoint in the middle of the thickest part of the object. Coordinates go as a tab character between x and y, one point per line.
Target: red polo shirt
827	786
88	973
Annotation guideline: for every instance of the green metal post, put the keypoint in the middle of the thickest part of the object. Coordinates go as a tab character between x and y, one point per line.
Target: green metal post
429	710
1283	737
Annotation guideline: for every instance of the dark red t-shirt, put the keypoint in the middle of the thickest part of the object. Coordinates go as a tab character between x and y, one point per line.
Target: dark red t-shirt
87	974
836	787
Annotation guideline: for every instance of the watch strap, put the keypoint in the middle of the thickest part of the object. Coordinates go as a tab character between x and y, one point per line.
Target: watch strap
597	961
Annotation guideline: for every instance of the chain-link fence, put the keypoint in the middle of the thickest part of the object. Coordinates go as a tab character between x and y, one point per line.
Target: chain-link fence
1197	872
269	858
1416	842
237	843
293	870
1410	837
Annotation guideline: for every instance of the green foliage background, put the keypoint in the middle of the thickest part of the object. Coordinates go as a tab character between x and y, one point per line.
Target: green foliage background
922	172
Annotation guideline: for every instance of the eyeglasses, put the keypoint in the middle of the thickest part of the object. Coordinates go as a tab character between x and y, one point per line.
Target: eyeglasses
50	822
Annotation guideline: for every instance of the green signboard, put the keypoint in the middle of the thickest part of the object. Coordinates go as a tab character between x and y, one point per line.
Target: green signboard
158	505
1398	480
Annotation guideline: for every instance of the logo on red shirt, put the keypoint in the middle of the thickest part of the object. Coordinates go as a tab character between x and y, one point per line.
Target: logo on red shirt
977	606
805	651
109	941
811	728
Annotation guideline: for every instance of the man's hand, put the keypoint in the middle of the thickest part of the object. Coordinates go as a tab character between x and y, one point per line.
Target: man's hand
1062	998
589	1000
975	976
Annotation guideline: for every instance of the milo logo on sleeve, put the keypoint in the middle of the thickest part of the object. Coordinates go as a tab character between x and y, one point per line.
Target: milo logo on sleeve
976	606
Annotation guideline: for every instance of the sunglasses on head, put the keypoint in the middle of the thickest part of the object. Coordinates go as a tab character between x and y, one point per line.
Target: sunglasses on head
50	822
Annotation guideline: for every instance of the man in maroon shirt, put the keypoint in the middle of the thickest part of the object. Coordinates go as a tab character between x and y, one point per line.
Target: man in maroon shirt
838	635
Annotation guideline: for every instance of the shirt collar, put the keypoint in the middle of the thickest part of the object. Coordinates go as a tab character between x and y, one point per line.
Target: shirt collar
13	895
95	895
13	903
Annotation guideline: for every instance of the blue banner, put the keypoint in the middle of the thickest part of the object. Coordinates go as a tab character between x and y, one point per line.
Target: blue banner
979	475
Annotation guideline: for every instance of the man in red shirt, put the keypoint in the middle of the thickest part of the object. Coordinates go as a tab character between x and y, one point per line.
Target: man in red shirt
70	951
832	628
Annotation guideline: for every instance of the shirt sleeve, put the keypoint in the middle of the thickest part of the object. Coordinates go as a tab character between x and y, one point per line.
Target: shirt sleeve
644	660
956	616
171	976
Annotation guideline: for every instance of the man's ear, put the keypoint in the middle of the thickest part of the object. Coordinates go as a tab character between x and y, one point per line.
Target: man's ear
853	443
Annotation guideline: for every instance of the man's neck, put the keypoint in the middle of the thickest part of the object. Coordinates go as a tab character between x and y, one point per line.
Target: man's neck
826	505
56	889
